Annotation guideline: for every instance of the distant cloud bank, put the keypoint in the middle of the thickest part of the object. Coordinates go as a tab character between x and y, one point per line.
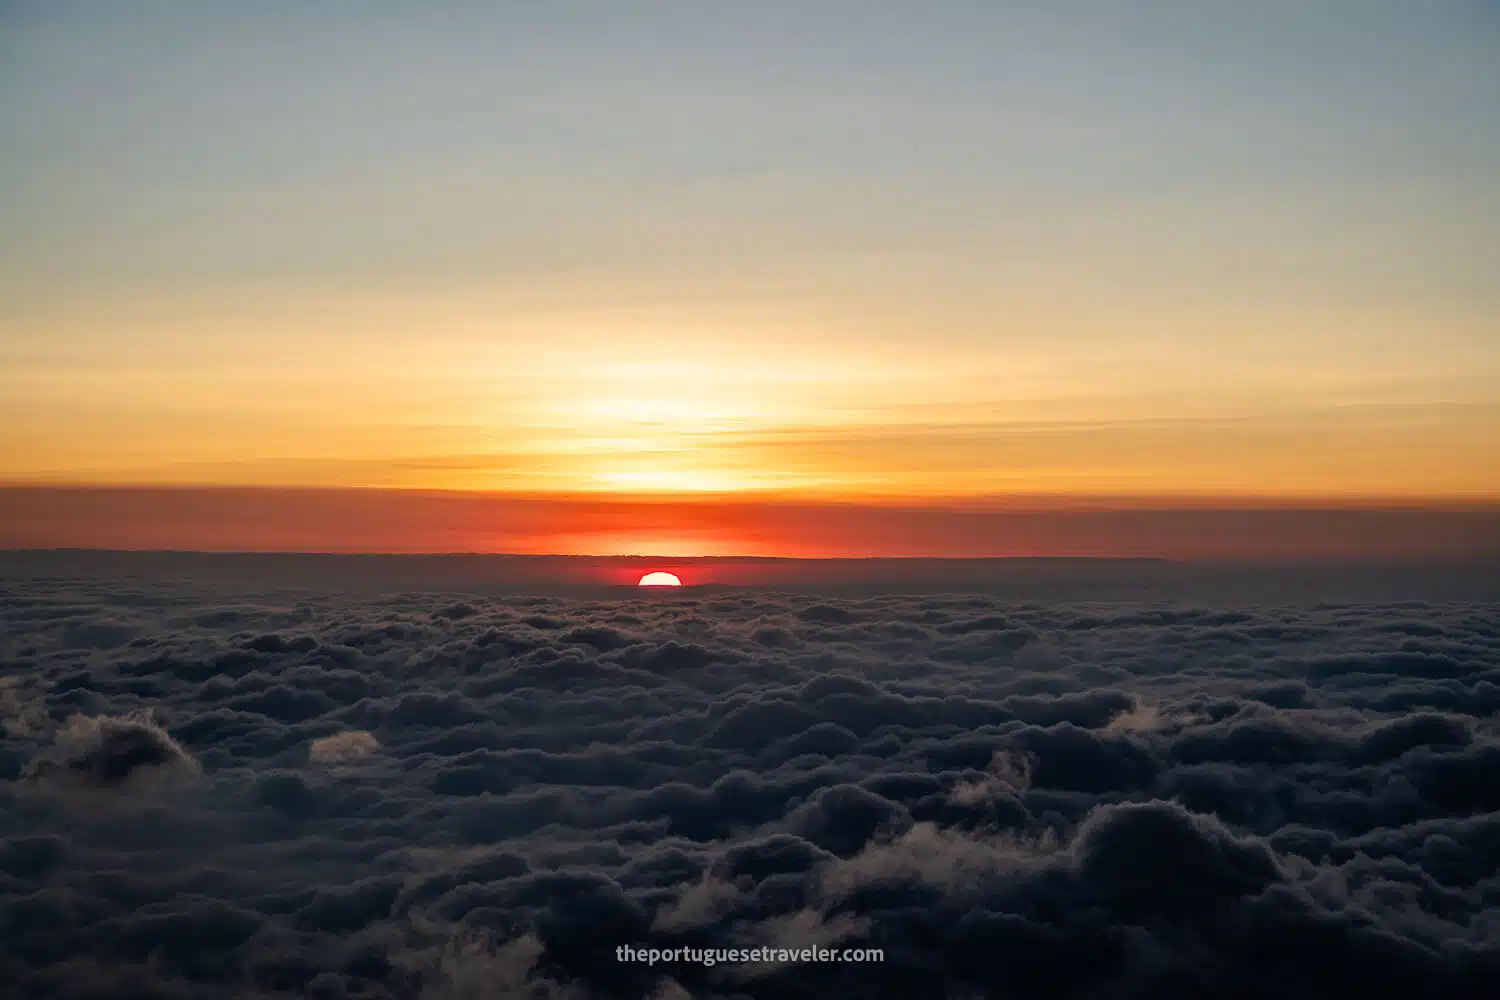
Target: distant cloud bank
393	521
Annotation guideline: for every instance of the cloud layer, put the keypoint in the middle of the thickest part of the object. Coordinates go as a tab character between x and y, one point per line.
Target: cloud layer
302	794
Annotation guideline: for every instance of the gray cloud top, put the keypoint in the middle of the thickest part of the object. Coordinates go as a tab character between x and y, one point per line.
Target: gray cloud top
307	794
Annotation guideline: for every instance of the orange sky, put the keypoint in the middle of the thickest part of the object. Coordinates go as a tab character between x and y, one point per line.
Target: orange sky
355	398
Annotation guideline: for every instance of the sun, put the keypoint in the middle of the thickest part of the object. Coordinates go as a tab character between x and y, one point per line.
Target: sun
660	580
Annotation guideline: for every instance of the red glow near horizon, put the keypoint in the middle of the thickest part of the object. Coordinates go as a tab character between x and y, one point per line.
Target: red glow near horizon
666	536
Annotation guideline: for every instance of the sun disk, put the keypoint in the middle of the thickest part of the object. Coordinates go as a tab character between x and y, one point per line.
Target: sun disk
660	580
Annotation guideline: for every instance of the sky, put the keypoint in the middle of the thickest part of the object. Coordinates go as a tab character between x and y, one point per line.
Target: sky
842	252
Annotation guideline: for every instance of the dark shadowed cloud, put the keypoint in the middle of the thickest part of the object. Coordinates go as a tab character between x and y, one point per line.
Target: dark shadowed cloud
271	792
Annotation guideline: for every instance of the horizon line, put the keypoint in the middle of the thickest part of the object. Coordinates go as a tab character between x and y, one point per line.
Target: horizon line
1377	559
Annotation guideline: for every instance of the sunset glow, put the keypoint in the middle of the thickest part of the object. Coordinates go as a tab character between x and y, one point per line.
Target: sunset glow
573	278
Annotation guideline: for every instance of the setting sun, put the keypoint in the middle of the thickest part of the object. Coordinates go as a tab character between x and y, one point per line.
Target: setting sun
660	580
